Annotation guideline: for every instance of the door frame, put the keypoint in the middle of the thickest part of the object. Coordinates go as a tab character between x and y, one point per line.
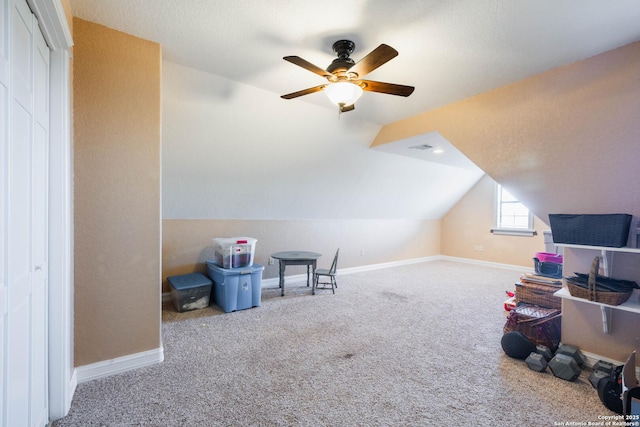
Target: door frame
62	375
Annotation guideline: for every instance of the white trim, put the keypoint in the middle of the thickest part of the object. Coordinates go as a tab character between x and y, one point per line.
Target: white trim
590	359
53	23
61	384
497	208
119	365
69	390
371	267
61	374
274	282
522	269
514	231
166	297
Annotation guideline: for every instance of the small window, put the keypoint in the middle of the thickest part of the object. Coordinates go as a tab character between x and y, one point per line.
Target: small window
511	216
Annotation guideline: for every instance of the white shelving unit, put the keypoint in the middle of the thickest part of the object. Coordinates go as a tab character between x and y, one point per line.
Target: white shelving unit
605	252
632	304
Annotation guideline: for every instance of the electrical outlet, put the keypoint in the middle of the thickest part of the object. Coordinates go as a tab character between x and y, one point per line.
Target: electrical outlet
361	252
478	248
271	261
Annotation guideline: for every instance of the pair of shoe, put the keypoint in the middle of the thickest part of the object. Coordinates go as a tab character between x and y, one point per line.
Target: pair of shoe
630	388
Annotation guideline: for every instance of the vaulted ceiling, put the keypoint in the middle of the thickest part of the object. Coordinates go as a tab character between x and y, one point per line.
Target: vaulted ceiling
448	50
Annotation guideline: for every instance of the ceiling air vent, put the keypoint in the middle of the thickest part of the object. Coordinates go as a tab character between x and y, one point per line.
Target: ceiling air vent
422	147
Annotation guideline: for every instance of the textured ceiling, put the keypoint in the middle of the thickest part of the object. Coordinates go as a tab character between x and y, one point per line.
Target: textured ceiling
448	50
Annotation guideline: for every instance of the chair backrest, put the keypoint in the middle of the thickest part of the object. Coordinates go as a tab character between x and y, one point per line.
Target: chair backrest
334	264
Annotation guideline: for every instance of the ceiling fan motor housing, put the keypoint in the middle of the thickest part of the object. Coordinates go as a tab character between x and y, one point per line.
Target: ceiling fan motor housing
343	48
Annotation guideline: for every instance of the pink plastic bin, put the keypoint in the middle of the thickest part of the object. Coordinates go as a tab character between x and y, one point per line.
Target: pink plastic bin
549	257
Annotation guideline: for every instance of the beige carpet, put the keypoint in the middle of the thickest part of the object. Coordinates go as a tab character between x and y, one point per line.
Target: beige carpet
416	345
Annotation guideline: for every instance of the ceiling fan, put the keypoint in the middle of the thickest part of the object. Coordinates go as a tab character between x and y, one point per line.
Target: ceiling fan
345	76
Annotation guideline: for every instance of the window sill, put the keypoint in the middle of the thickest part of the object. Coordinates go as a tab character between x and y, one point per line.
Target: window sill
514	232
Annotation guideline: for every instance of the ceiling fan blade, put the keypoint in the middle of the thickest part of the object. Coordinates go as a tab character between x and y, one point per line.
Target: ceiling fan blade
388	88
373	60
307	66
303	92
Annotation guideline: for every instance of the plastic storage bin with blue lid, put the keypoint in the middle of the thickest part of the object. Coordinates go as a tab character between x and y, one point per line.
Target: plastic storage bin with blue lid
190	291
236	288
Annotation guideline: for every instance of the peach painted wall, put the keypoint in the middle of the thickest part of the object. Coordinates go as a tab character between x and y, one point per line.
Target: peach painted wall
468	224
564	141
117	226
187	244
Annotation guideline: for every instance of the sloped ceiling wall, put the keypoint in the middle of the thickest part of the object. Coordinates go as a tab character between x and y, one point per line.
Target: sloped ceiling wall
565	141
232	151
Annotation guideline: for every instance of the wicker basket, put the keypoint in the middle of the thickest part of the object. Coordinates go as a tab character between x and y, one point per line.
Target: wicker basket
537	294
590	293
541	325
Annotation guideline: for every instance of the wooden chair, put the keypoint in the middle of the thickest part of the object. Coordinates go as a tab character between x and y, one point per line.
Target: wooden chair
329	276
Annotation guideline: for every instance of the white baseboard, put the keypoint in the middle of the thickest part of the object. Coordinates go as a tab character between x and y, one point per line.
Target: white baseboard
371	267
118	365
274	282
166	297
591	359
520	268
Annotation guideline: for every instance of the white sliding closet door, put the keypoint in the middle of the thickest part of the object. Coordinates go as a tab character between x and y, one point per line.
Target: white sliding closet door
24	136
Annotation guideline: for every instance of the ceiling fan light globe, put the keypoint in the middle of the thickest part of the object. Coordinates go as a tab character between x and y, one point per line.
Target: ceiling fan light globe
343	93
